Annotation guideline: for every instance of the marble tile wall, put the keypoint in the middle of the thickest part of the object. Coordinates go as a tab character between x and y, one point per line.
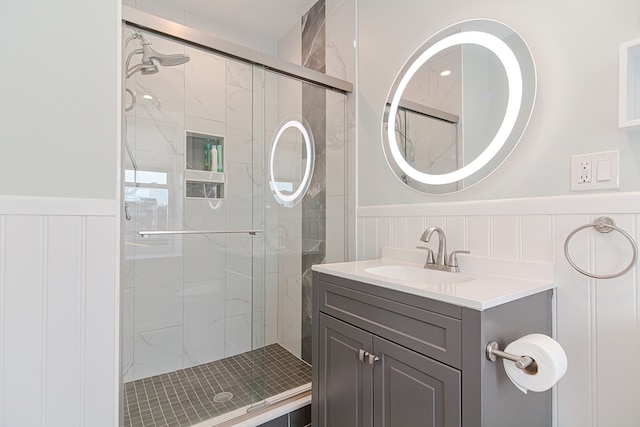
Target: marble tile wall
321	227
188	299
314	111
201	283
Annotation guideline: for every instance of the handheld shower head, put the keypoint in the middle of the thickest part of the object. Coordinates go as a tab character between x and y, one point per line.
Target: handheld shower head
143	68
150	57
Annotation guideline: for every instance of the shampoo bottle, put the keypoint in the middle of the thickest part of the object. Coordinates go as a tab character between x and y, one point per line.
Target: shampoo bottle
220	157
214	158
207	156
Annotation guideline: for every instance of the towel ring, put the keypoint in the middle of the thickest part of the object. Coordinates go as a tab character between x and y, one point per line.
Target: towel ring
603	225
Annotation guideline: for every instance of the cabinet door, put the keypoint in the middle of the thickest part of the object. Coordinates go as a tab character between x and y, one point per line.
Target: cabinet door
344	381
413	390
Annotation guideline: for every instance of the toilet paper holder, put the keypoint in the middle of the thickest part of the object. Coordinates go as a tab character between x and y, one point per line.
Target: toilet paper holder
526	363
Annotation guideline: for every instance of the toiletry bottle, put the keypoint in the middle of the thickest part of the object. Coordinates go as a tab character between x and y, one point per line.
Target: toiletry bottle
220	157
214	158
207	156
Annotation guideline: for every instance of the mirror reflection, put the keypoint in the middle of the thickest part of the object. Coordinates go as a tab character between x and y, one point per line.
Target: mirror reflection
459	105
291	161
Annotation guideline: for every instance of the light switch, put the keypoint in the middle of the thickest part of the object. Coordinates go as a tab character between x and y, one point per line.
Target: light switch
603	172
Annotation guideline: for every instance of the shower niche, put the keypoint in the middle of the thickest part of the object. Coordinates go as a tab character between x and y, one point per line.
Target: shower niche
204	166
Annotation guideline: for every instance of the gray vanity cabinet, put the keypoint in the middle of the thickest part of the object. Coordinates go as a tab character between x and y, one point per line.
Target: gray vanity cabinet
383	358
413	390
366	380
345	381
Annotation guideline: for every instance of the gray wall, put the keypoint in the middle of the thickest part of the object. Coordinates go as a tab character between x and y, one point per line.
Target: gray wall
575	47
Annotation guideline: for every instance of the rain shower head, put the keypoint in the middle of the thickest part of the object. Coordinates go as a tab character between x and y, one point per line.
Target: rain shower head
150	57
148	54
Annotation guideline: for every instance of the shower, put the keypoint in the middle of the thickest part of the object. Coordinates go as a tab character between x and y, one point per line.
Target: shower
212	264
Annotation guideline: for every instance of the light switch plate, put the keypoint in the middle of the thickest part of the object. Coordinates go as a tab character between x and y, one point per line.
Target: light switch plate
595	171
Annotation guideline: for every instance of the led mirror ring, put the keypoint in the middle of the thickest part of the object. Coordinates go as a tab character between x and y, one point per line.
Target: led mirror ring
292	199
514	78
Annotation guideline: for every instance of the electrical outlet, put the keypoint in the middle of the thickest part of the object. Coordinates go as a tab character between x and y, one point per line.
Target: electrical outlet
595	171
584	172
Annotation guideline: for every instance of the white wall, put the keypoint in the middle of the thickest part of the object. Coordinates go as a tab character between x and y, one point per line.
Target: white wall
597	321
59	96
525	210
59	213
576	56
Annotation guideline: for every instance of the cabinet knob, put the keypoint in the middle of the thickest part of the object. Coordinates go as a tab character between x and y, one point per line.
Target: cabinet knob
362	354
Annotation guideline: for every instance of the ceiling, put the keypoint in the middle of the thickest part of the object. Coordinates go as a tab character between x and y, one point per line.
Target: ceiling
268	18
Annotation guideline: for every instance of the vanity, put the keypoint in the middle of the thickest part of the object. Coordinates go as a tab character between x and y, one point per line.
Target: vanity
395	344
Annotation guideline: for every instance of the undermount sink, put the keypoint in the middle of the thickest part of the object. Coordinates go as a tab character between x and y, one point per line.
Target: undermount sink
419	275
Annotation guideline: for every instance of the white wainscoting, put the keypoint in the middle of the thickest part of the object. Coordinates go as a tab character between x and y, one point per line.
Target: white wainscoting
597	321
59	312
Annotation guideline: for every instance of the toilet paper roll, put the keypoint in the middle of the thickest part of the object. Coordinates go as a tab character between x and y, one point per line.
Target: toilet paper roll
548	355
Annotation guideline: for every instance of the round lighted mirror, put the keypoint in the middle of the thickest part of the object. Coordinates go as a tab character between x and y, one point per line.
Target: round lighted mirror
291	161
459	106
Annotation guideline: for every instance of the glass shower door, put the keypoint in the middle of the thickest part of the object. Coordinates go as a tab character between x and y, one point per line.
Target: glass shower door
300	155
217	290
193	260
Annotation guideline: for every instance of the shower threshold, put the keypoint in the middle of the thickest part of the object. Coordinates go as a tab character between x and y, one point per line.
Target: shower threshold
216	391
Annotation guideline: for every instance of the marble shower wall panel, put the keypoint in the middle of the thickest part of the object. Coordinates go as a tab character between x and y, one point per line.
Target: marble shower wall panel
340	38
204	321
314	111
157	351
239	195
241	292
289	231
158	281
153	326
271	108
313	37
340	57
290	278
205	89
271	308
237	334
289	299
197	307
205	289
336	189
239	131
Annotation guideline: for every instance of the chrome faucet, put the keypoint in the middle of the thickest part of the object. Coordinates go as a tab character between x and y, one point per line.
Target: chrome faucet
441	261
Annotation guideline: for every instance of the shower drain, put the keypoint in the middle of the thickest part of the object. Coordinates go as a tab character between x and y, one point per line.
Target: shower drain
225	396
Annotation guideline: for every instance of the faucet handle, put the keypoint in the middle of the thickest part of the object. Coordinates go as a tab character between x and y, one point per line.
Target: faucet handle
430	259
453	258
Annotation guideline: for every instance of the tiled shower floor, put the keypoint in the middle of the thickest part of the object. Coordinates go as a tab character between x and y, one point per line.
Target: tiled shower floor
189	396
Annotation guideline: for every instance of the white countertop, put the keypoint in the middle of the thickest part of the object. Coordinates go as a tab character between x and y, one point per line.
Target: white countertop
497	281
